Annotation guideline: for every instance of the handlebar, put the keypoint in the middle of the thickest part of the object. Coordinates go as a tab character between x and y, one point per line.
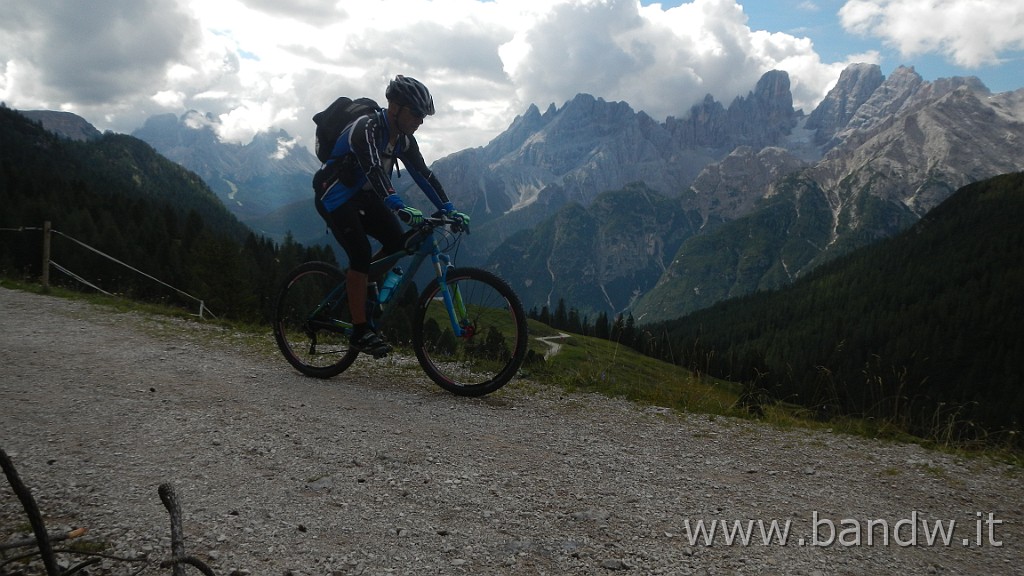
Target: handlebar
439	220
455	225
419	232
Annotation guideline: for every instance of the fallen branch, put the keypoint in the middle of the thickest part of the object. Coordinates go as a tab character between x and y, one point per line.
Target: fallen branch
178	559
191	561
43	540
34	517
76	533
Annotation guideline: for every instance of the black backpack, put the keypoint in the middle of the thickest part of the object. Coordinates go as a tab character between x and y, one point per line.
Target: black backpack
335	118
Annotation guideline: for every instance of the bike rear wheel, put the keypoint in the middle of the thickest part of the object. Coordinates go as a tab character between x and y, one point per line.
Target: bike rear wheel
493	345
310	319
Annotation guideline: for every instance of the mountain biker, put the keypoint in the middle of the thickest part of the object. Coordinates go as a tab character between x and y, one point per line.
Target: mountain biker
354	194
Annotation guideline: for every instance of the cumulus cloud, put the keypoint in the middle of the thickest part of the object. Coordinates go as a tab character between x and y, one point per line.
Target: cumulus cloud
91	53
971	33
256	65
659	60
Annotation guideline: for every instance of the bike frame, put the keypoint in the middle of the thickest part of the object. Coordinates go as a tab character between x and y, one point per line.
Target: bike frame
423	247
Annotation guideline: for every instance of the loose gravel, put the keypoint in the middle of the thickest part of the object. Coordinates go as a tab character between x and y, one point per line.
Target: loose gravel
378	471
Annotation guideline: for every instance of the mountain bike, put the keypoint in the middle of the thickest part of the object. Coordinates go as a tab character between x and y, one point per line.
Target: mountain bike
469	330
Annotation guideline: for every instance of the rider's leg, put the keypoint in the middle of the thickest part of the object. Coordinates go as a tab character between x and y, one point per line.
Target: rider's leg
363	337
381	223
356	282
346	223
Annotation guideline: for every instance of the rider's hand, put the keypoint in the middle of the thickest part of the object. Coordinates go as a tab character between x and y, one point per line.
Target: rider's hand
410	215
462	218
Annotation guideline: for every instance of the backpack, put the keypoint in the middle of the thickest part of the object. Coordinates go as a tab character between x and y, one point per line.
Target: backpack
331	121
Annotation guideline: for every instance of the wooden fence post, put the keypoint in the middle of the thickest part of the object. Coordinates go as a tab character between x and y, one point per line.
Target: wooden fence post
46	255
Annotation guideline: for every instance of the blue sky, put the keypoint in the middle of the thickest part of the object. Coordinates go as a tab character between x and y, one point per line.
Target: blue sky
257	65
819	20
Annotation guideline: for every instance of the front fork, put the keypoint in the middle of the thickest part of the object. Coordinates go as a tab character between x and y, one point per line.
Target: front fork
452	297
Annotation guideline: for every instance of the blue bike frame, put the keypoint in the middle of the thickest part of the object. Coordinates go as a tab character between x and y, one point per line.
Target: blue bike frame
423	248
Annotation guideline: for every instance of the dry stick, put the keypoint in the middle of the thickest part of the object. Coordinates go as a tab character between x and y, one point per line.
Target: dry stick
82	566
178	559
170	500
29	504
190	561
53	539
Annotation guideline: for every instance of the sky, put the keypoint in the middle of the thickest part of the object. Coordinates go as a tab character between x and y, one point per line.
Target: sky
258	65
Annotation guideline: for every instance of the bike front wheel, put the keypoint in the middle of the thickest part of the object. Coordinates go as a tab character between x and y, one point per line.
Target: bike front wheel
492	339
310	319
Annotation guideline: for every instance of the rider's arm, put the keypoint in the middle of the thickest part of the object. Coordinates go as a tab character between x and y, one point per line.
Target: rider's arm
363	139
424	178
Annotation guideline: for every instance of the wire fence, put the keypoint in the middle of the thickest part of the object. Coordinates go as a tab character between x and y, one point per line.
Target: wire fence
48	263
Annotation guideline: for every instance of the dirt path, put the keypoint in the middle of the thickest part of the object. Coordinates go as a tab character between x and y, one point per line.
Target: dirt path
380	472
553	347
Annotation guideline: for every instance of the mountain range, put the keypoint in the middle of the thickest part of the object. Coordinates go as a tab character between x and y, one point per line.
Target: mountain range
252	179
612	211
759	193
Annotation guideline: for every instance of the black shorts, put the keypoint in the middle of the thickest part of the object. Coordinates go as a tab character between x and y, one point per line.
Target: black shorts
353	222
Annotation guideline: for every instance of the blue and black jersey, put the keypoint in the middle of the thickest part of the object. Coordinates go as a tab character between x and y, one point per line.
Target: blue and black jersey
362	160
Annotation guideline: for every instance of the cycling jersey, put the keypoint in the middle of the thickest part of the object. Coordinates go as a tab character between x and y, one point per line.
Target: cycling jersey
362	160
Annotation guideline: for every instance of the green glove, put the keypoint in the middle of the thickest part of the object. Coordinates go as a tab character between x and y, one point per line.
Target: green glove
410	215
462	218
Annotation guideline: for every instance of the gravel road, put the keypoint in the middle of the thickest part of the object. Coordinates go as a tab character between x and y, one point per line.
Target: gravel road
378	471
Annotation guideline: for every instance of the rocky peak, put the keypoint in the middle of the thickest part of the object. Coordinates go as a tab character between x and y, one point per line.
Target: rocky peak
704	126
522	128
855	86
761	118
732	188
64	124
597	112
253	179
941	136
973	83
766	114
275	152
885	103
171	135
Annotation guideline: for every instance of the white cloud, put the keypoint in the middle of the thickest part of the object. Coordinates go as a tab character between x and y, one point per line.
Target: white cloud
970	33
174	99
89	53
659	60
261	64
284	146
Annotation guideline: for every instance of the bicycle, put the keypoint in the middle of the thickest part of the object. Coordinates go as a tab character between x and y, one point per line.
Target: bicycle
469	330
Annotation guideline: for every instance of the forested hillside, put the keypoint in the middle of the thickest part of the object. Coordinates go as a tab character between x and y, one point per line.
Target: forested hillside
922	330
118	195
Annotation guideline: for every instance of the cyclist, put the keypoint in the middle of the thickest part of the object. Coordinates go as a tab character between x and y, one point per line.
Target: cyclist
354	194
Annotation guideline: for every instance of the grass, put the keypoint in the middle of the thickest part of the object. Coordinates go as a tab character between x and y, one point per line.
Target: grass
608	368
599	366
116	303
